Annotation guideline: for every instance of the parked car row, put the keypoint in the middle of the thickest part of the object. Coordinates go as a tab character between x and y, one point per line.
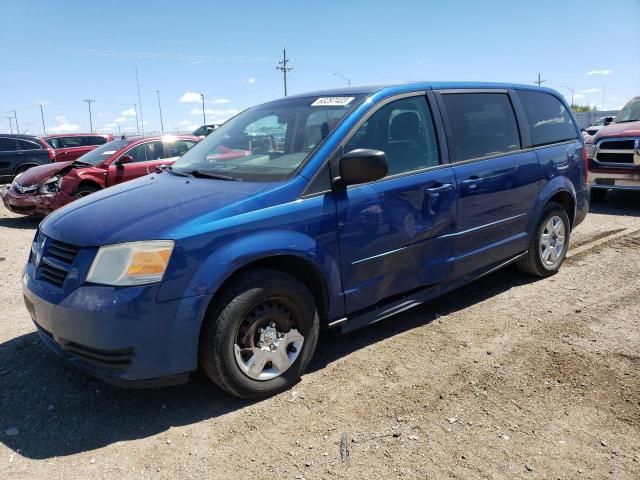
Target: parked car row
334	209
45	188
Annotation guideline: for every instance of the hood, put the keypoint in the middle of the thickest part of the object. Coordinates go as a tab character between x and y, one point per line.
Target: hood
153	208
627	129
37	175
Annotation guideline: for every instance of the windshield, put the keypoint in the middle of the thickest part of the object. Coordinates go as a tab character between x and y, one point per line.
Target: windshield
267	143
103	152
630	112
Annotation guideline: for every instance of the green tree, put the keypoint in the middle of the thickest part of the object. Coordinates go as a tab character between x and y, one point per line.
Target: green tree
581	108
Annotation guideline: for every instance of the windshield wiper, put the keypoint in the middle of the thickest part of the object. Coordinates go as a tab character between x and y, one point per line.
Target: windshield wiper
169	168
216	176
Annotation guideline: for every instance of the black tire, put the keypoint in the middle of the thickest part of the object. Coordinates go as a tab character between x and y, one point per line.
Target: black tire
84	190
233	313
598	195
532	262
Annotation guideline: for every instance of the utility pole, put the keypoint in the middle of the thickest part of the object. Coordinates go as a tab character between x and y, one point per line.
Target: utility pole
602	106
89	102
135	109
15	117
160	108
139	102
348	80
10	124
44	129
204	118
571	90
284	67
540	81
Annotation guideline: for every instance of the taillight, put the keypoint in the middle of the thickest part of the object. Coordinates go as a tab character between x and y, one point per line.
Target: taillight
585	157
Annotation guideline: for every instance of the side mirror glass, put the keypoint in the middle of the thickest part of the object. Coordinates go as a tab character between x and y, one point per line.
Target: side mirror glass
362	165
124	159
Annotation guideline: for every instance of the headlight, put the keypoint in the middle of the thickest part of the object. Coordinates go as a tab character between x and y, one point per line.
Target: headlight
15	179
591	149
135	263
51	185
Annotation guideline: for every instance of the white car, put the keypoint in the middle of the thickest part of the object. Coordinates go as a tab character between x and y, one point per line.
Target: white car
598	124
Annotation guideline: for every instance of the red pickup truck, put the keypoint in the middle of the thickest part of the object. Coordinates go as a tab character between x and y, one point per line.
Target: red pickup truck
614	153
41	190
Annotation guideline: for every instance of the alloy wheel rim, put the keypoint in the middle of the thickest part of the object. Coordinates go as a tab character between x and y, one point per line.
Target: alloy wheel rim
268	340
552	241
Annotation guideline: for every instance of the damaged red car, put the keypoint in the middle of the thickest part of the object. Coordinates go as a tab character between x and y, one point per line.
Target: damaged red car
41	190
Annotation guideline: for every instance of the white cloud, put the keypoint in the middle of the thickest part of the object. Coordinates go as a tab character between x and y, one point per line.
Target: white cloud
130	112
592	90
111	125
64	127
220	100
600	72
209	111
250	80
191	97
578	95
121	120
60	118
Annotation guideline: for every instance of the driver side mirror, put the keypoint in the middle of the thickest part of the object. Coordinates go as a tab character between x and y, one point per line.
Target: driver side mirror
608	120
124	159
361	165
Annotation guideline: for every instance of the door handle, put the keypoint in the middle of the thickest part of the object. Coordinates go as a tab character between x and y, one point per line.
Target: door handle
472	183
440	189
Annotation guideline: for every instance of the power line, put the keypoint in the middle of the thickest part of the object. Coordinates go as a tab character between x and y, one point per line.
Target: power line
284	67
89	102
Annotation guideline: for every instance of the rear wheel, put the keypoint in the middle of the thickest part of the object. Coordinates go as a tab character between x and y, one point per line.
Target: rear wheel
260	335
598	195
549	243
85	190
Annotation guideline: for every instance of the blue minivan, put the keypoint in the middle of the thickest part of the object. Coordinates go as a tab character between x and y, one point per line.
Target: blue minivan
331	209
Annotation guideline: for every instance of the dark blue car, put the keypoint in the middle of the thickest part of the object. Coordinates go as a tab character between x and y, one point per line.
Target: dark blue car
338	208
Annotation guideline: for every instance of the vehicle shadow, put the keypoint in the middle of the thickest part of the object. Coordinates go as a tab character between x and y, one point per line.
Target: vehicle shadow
26	223
49	409
618	203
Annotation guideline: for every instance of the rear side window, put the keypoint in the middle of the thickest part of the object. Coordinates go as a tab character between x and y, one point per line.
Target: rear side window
549	121
7	144
29	145
54	142
179	147
95	140
482	124
71	142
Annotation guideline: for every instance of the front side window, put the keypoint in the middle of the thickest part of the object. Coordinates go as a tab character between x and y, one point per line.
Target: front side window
95	140
482	124
146	152
72	142
549	121
54	142
404	130
8	144
268	142
178	148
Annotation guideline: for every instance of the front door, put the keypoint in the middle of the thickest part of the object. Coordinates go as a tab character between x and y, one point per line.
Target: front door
144	157
392	232
497	181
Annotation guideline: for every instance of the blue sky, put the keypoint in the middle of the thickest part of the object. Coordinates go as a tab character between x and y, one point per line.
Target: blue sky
57	53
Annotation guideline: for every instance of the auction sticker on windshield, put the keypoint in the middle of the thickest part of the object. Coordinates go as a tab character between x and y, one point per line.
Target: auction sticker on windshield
332	101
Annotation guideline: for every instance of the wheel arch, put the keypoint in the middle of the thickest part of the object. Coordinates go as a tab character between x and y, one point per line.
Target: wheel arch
559	190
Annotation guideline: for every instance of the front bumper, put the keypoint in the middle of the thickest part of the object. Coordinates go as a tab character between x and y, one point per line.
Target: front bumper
605	179
121	335
33	204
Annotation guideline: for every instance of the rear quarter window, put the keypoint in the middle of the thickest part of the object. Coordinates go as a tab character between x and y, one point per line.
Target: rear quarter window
29	145
72	142
549	121
482	124
95	140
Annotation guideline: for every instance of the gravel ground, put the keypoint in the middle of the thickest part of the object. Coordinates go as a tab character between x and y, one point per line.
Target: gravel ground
509	377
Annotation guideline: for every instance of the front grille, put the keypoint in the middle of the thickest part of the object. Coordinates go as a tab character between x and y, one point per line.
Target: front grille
52	258
615	157
616	150
617	145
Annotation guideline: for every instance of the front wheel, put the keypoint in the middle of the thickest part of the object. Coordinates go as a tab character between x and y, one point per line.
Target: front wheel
85	190
260	334
549	243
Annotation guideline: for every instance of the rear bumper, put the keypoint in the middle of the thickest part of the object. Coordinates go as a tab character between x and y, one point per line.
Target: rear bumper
120	335
32	204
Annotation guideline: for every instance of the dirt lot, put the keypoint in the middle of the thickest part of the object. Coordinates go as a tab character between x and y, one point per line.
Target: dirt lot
509	377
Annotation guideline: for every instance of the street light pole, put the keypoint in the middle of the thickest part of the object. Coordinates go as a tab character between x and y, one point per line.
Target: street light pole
15	116
89	102
44	129
348	80
284	67
204	118
571	90
139	102
160	109
10	124
135	109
